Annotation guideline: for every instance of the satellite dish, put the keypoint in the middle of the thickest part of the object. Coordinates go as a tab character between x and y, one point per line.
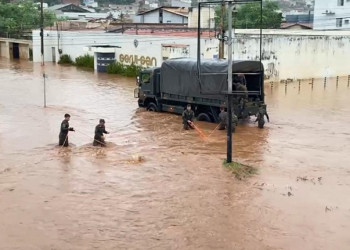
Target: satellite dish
136	43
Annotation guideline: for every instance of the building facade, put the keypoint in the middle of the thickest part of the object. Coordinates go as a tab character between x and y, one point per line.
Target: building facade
332	15
287	54
173	15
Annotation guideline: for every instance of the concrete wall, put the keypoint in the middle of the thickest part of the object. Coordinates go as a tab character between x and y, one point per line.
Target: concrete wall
73	44
326	13
286	53
24	51
296	54
4	49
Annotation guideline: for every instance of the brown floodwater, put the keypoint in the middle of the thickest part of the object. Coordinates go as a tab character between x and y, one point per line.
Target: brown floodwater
156	186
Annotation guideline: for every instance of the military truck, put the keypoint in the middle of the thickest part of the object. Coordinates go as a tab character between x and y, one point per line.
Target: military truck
176	83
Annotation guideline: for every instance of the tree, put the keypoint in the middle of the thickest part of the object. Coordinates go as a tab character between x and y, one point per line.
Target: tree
20	17
247	16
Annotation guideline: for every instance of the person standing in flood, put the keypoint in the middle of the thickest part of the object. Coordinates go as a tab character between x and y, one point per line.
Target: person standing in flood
187	117
63	136
260	116
223	117
99	139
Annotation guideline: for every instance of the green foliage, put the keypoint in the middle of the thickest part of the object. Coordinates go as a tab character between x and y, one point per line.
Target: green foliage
65	59
125	70
15	18
248	16
86	61
239	170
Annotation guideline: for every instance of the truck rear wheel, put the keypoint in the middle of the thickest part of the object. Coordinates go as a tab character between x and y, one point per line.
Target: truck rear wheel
204	117
152	107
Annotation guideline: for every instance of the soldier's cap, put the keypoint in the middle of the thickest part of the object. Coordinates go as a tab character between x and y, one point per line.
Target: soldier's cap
102	120
188	105
66	115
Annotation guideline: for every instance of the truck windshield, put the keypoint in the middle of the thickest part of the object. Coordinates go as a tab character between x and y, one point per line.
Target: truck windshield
145	77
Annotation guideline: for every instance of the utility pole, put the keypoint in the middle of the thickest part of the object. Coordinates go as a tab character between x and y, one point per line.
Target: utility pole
44	76
42	31
229	87
222	32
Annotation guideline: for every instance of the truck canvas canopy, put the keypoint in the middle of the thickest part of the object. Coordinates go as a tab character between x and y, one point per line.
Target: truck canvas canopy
182	76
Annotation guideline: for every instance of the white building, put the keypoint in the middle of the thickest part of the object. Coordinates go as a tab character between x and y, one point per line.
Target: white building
173	15
332	14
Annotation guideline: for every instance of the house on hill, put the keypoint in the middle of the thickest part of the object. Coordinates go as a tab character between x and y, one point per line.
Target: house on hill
175	15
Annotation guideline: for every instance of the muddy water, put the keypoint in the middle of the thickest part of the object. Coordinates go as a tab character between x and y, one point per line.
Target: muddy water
158	187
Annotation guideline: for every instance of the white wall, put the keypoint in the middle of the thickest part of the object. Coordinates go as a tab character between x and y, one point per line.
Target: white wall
286	53
172	18
296	54
324	21
73	43
151	17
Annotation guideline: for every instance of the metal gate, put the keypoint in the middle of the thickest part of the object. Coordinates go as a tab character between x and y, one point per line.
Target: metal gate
103	60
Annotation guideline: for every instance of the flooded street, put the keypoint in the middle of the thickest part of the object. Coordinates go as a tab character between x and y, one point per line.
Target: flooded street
158	187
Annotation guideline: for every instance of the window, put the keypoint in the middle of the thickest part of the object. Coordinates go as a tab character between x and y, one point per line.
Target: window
145	77
340	2
339	22
346	22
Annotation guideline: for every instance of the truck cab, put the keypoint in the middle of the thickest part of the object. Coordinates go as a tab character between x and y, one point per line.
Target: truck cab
148	88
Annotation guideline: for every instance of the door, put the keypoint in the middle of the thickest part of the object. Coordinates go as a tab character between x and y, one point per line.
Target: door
53	51
15	50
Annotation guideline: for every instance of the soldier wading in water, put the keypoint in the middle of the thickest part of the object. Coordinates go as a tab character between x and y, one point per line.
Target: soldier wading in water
187	117
260	116
223	116
63	136
99	139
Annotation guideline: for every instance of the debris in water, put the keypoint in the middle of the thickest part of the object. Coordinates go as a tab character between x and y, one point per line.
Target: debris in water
5	170
137	158
289	194
305	178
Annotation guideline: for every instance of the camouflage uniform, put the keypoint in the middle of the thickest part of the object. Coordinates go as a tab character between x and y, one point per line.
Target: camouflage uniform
223	117
240	84
99	139
260	117
63	136
187	115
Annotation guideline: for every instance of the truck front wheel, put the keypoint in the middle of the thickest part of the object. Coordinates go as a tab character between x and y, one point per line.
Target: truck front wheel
203	117
152	107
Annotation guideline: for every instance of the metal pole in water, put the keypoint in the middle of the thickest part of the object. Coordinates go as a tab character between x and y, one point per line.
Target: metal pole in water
44	75
337	81
325	82
42	32
285	88
229	87
348	81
